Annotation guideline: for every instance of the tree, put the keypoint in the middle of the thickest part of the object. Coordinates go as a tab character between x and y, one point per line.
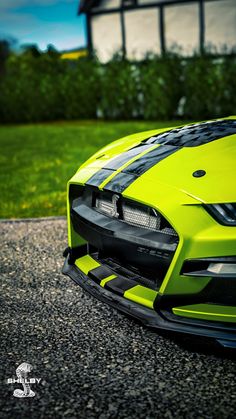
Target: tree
31	49
4	53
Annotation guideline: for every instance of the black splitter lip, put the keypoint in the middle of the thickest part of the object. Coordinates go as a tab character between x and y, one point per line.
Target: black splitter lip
150	318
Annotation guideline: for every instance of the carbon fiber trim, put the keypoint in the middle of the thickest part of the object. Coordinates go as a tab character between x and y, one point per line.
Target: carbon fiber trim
100	273
119	285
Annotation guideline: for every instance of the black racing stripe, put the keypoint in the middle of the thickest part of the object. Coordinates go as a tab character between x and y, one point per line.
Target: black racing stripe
99	177
123	158
120	284
191	135
195	134
100	273
116	163
144	163
124	179
120	182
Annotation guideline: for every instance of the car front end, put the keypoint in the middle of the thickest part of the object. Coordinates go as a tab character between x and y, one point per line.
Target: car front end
151	228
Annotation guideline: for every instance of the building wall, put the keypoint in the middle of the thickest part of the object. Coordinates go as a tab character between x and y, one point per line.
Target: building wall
106	35
142	32
220	21
182	27
181	22
108	4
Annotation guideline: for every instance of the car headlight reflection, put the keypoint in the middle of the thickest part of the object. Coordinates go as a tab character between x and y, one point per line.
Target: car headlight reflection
223	213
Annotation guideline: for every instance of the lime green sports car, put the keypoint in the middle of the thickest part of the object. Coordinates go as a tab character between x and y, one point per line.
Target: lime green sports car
152	228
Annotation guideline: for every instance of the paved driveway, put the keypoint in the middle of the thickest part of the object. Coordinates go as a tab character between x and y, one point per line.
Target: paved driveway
93	361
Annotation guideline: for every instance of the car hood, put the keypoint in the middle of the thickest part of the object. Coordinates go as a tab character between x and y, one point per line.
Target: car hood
215	159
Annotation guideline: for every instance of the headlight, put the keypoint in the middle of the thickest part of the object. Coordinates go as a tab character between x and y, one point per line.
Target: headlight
222	268
223	213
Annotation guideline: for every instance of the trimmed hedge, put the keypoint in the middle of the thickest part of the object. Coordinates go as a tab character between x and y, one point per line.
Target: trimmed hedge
43	87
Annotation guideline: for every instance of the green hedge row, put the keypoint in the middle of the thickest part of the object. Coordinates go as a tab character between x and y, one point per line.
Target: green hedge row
44	87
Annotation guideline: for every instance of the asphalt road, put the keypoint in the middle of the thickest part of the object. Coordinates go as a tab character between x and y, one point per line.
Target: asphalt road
93	361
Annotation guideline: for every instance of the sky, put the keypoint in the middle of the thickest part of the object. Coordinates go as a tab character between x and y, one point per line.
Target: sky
43	22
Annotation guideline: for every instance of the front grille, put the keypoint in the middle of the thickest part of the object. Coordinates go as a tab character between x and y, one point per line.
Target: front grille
106	207
142	217
134	235
132	213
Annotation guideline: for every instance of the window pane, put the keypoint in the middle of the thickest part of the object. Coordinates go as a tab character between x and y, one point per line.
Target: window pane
106	34
220	24
142	32
182	27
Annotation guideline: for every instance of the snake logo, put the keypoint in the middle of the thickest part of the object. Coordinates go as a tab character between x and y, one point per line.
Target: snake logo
114	212
21	373
22	378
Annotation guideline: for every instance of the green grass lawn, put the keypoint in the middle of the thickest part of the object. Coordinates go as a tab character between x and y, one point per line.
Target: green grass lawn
36	161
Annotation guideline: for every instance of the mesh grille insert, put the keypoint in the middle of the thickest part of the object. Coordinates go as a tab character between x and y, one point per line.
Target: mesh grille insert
141	217
133	213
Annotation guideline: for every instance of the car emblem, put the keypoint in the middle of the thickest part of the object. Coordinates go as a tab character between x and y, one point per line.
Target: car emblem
114	212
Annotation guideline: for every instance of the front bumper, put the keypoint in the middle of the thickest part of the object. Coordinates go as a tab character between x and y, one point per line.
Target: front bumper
142	303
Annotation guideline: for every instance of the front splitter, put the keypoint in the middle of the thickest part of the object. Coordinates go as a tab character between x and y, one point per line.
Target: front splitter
148	317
